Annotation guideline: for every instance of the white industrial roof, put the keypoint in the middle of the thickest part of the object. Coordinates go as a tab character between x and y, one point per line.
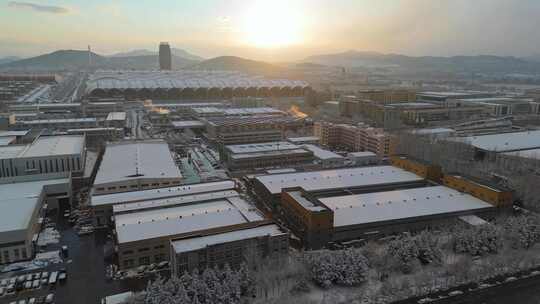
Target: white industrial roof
296	140
321	153
339	178
181	124
6	140
116	116
183	79
18	202
11	151
55	145
400	204
173	201
272	153
361	154
148	224
153	194
262	147
56	121
196	243
505	142
304	202
531	153
13	133
135	160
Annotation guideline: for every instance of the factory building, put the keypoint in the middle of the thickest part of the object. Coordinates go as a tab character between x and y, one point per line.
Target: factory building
319	220
252	129
102	205
23	203
45	155
115	120
488	146
229	248
151	231
201	112
268	188
56	124
136	165
325	158
264	155
387	96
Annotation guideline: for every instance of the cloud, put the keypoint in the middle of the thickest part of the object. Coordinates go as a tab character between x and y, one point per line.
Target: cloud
38	7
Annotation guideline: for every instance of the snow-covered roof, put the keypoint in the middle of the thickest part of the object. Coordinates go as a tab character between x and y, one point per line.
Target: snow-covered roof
131	227
400	204
181	124
6	140
116	116
321	153
154	194
55	145
183	79
531	153
135	160
303	139
339	178
261	147
504	142
196	243
18	202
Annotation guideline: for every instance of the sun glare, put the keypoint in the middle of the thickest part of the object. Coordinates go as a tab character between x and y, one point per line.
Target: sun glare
271	24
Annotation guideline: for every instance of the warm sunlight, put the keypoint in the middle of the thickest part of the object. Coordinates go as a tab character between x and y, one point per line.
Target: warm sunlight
271	24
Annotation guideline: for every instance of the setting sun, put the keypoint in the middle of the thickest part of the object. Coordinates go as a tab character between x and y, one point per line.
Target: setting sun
270	24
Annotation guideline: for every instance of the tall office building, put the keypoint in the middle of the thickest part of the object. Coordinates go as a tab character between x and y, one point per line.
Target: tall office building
165	60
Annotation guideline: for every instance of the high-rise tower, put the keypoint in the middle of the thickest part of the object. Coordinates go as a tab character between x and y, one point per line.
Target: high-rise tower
165	60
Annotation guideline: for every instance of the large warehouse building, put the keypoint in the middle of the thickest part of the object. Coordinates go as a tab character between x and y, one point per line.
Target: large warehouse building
318	221
22	204
136	165
45	155
189	85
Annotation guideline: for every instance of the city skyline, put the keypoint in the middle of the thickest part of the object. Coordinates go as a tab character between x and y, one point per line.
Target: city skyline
272	30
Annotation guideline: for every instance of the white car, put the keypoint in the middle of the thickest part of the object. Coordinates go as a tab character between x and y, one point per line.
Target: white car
49	299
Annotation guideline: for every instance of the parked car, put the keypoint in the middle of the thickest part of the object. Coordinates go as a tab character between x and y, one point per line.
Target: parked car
49	299
36	284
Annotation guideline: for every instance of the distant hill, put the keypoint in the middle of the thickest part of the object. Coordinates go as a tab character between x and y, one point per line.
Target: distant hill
233	63
480	63
75	59
175	52
9	59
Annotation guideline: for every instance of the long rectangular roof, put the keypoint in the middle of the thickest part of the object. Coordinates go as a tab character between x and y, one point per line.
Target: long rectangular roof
532	153
196	243
135	160
400	204
154	194
262	147
116	116
149	224
173	201
321	153
504	142
55	145
18	202
340	178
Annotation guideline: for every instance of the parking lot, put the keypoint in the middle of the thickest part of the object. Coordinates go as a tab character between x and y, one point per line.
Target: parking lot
84	267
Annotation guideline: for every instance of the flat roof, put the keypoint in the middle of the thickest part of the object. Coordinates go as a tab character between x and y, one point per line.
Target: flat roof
302	139
55	145
136	160
321	153
173	201
142	195
116	116
362	154
262	147
131	227
55	121
274	153
180	124
531	153
197	243
18	202
11	151
338	178
304	202
6	140
400	204
505	142
13	133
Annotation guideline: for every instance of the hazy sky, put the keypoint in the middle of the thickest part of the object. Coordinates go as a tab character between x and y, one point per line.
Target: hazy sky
276	30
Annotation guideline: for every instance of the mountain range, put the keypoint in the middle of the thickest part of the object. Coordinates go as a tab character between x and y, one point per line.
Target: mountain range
148	60
479	63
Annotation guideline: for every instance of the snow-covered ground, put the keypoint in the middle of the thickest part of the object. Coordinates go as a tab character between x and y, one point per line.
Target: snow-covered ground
42	260
48	236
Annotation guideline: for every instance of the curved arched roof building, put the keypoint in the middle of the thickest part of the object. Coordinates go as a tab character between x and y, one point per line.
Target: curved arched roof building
190	85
